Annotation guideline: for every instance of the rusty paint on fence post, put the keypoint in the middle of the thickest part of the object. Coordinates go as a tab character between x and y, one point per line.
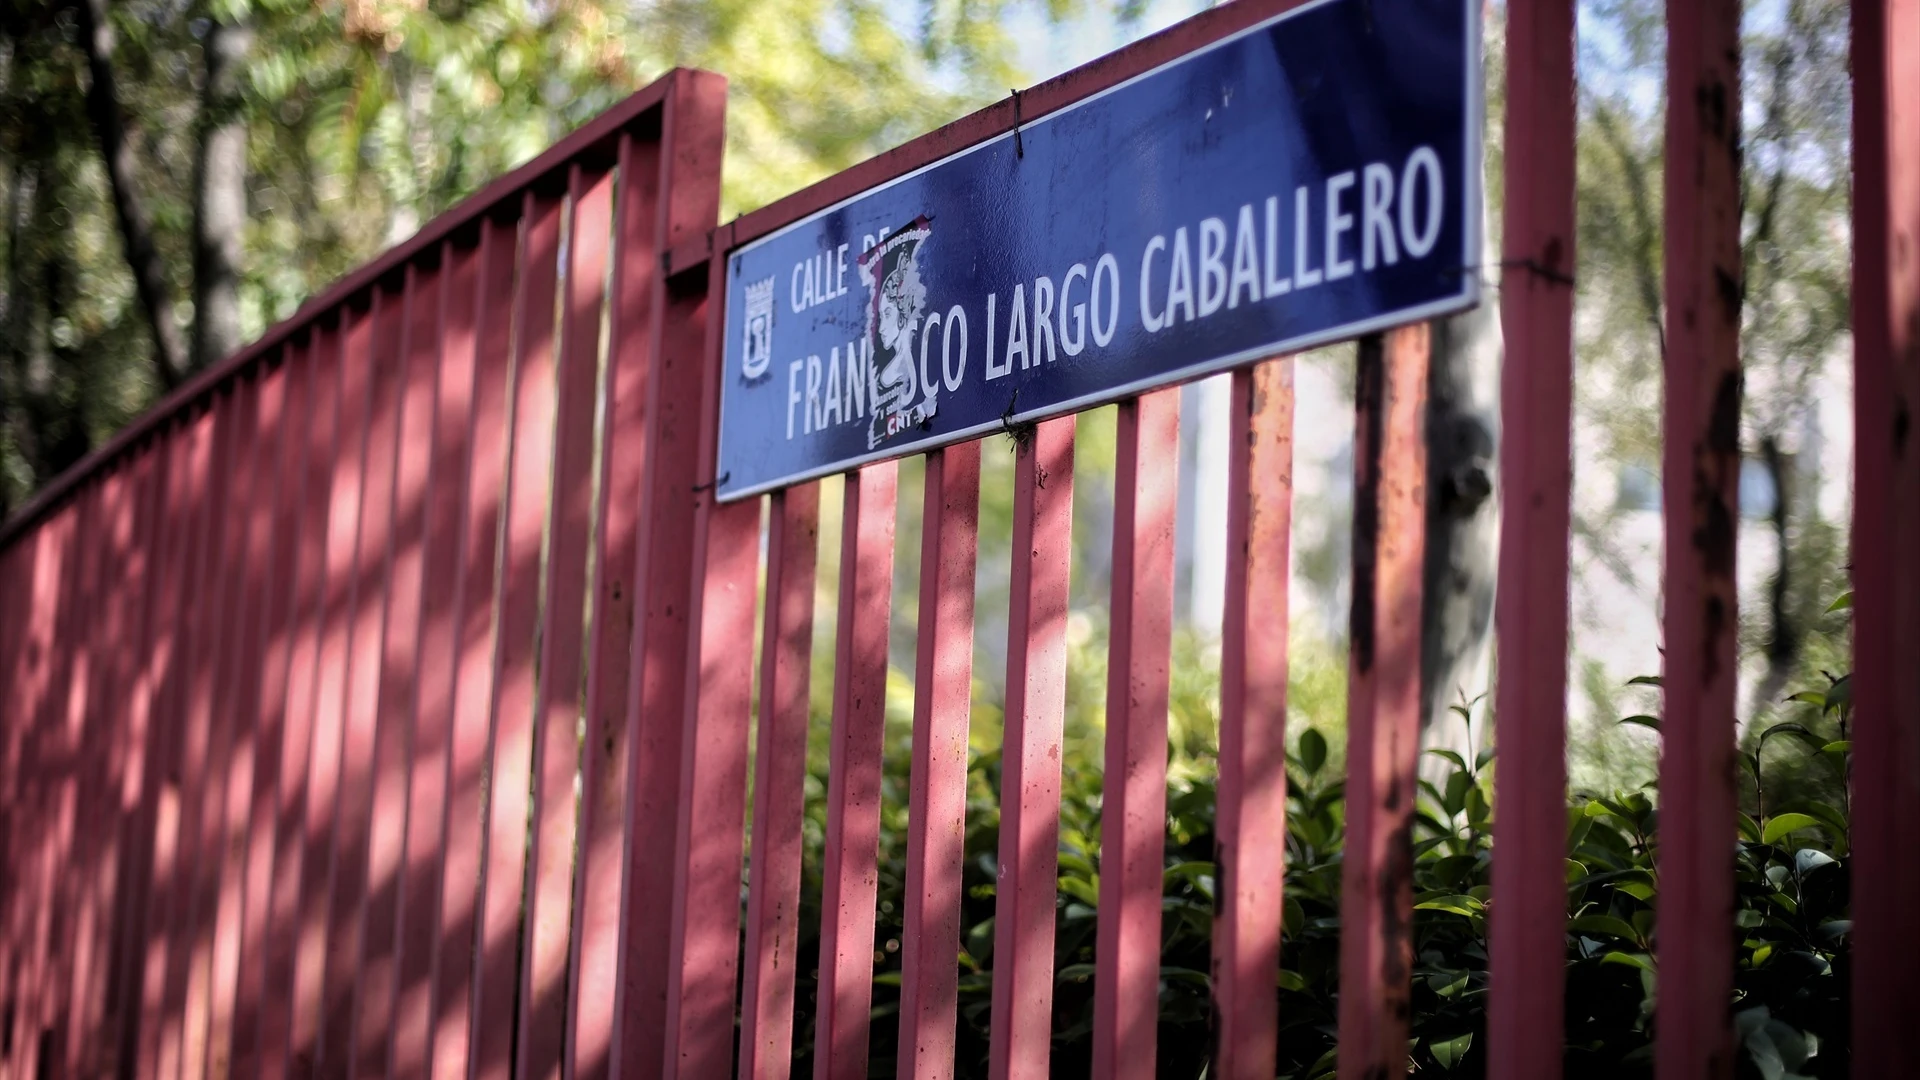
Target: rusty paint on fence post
1525	1025
1133	810
937	792
515	662
779	787
556	743
1383	712
1700	489
1886	531
1250	821
455	996
595	945
848	864
1022	1017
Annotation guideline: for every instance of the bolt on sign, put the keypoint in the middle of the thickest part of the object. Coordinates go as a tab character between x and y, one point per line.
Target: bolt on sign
1312	178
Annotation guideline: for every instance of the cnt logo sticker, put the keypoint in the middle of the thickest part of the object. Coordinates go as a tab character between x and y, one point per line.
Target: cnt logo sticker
896	301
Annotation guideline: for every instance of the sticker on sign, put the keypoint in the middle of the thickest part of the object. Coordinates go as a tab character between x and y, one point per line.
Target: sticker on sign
1309	179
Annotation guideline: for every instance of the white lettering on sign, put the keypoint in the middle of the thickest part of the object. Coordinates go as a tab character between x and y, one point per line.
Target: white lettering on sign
1350	224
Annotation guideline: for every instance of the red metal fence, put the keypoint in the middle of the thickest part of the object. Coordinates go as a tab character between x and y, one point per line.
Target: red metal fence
287	669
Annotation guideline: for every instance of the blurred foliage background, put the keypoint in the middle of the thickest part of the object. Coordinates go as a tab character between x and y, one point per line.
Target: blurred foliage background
355	121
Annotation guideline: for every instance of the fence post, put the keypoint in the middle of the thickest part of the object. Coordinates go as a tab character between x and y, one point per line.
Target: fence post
1524	1024
1020	1043
1250	825
704	930
1383	725
1886	531
1133	817
1700	488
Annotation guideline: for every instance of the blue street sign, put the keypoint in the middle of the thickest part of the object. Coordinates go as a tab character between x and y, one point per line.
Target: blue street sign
1312	178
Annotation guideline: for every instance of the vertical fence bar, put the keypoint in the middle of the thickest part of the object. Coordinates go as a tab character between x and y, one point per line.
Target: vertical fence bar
1250	821
848	865
131	676
227	583
665	570
1886	524
251	655
28	825
1700	488
1133	814
447	347
62	769
1525	1025
704	931
16	574
1022	1017
280	607
1383	712
90	747
361	721
779	787
377	988
207	588
323	763
286	912
514	672
77	754
154	827
40	969
603	770
556	746
454	985
937	791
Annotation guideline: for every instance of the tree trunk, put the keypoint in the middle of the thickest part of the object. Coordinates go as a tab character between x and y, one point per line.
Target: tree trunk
1463	527
219	194
136	224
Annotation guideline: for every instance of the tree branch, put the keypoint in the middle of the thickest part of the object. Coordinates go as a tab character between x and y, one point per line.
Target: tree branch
219	194
136	224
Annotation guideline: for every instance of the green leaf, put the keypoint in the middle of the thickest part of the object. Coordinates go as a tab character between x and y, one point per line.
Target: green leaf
1458	761
1456	797
1313	751
1644	680
1843	602
1639	960
1603	924
1291	981
1643	720
1074	973
1782	824
1839	746
1449	1052
1458	904
1809	697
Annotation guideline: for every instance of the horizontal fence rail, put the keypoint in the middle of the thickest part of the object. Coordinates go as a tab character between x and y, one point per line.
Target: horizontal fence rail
397	697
